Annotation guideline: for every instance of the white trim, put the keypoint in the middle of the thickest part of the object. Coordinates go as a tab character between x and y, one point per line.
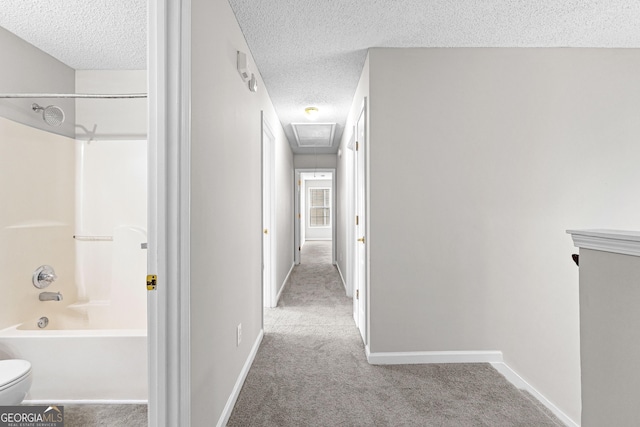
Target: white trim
297	217
330	207
361	185
269	294
616	241
169	205
85	402
327	143
425	357
515	379
352	140
284	283
343	281
228	408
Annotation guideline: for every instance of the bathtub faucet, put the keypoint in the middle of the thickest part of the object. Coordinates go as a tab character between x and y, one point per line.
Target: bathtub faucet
50	296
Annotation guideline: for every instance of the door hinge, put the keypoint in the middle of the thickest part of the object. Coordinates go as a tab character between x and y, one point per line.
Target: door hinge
357	293
357	220
152	282
357	145
299	183
299	216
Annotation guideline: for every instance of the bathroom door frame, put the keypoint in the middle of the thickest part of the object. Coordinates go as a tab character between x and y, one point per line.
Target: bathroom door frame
269	294
361	229
168	256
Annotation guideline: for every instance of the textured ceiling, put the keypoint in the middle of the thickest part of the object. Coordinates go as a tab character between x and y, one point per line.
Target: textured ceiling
311	52
84	34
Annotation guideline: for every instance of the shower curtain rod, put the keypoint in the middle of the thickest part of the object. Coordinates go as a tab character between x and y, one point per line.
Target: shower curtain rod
72	95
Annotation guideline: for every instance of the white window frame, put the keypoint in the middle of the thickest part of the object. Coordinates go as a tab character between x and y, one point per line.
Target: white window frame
330	207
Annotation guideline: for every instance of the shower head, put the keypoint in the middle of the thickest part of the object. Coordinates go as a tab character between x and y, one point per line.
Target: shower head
52	115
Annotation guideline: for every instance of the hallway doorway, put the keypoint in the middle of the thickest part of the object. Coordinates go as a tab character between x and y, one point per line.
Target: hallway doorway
315	211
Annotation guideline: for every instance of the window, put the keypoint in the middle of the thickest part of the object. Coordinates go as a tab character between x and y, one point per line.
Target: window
319	207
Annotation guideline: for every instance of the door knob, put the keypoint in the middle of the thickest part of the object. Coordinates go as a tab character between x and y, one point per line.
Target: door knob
361	239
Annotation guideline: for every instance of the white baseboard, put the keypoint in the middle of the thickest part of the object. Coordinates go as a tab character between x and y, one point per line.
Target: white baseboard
415	357
228	408
515	379
284	284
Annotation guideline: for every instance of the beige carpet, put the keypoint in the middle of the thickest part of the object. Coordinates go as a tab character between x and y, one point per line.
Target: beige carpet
311	371
316	252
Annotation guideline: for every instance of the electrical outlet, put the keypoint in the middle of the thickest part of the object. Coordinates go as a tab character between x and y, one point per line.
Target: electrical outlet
239	333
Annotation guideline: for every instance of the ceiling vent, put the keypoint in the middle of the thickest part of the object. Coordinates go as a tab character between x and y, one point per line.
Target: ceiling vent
310	135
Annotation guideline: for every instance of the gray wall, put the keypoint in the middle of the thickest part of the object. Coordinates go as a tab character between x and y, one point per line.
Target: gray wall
305	161
477	168
226	217
27	69
609	338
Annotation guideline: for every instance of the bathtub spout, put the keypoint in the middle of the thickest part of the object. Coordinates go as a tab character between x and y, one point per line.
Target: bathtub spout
50	296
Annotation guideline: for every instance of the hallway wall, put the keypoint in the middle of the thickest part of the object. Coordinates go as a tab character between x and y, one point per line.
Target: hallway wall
501	151
310	161
285	208
226	217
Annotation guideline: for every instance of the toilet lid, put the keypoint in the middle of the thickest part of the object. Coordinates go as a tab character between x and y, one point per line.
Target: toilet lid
11	370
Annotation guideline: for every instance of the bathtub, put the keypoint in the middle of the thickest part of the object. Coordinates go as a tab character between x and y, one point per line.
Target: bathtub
87	353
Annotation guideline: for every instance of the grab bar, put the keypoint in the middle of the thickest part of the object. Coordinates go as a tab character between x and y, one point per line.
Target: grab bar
94	238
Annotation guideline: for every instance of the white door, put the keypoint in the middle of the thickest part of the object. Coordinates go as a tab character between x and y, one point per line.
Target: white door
298	218
360	291
268	178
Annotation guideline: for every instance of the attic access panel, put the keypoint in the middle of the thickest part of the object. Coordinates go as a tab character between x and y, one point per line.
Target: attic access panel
310	135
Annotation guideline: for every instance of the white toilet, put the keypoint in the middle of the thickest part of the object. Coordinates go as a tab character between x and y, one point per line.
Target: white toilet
15	381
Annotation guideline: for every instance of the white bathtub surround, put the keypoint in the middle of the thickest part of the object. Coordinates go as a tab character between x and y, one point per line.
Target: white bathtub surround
56	187
36	218
96	363
83	317
88	352
129	269
111	202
